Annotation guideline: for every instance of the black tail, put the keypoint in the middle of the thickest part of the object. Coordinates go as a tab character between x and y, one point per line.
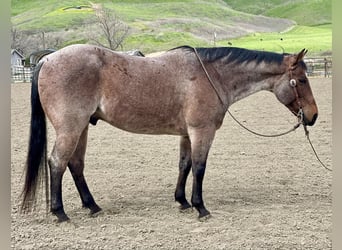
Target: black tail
36	166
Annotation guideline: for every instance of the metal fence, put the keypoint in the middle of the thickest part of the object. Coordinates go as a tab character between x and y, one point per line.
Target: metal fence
21	74
317	67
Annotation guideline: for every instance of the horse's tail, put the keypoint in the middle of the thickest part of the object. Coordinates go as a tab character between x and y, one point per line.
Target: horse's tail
36	163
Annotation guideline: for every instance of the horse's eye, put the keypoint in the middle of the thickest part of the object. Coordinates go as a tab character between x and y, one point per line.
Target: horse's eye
302	81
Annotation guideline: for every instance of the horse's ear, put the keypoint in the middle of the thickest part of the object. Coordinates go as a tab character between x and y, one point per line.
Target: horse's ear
300	56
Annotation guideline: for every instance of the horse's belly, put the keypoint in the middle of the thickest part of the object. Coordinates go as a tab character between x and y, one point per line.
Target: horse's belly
146	121
149	126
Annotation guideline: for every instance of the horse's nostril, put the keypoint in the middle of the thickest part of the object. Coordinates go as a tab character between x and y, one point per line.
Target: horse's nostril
314	118
312	122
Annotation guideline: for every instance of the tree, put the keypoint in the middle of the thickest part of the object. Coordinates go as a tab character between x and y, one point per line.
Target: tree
113	30
30	41
16	38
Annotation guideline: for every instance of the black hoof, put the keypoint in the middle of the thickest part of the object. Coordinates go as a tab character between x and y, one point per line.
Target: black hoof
61	215
203	218
204	214
185	206
95	209
64	219
94	214
186	209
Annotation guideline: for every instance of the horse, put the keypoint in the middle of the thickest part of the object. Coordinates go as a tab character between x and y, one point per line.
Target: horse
184	91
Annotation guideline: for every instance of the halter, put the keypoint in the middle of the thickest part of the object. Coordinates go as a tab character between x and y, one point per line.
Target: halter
293	84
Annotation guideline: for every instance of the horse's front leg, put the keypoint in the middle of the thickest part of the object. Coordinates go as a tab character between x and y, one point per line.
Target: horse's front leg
201	140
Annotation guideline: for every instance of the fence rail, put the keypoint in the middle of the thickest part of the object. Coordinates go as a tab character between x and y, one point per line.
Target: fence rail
21	74
316	67
319	66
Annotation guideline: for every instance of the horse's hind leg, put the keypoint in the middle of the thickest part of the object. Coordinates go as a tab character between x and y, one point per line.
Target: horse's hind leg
63	149
76	167
184	169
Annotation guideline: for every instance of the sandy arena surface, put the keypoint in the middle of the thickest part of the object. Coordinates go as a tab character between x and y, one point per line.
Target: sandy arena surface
263	193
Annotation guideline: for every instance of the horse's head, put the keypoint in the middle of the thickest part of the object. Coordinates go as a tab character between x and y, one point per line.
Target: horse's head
294	91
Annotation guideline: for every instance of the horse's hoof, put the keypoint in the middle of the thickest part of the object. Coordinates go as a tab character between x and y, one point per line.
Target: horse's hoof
96	209
185	206
61	215
204	217
95	214
63	218
186	209
204	214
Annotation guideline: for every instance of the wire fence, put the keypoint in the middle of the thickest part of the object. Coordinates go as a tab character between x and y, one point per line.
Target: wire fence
316	67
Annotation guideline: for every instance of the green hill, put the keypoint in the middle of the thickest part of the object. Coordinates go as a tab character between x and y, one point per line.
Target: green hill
304	12
159	25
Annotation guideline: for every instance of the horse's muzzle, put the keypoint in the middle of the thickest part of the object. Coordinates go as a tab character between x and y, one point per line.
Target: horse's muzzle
309	122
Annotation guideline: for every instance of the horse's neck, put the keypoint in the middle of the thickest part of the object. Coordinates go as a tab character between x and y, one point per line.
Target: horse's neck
241	82
249	87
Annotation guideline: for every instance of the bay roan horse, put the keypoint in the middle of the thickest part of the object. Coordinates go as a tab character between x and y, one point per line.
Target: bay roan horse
184	91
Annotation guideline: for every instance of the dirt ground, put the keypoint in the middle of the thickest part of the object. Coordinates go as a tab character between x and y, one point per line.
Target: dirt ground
263	193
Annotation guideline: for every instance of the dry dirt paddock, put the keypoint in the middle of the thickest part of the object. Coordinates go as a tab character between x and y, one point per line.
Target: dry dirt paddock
263	193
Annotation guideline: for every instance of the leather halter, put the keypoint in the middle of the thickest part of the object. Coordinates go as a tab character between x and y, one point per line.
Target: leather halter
293	84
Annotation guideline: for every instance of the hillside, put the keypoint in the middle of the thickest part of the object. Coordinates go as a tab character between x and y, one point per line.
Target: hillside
158	25
304	12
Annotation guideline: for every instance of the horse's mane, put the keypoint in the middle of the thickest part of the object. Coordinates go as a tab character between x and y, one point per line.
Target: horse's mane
236	55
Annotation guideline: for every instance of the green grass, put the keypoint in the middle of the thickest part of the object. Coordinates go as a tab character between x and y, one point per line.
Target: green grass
257	7
33	15
304	12
42	7
316	39
50	17
159	25
310	12
164	41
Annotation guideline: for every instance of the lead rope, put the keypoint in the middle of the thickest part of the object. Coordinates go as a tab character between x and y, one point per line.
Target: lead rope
313	149
263	135
293	85
300	114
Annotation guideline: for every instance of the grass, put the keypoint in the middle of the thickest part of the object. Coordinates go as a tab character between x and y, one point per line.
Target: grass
319	12
316	39
159	25
50	17
304	12
164	41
